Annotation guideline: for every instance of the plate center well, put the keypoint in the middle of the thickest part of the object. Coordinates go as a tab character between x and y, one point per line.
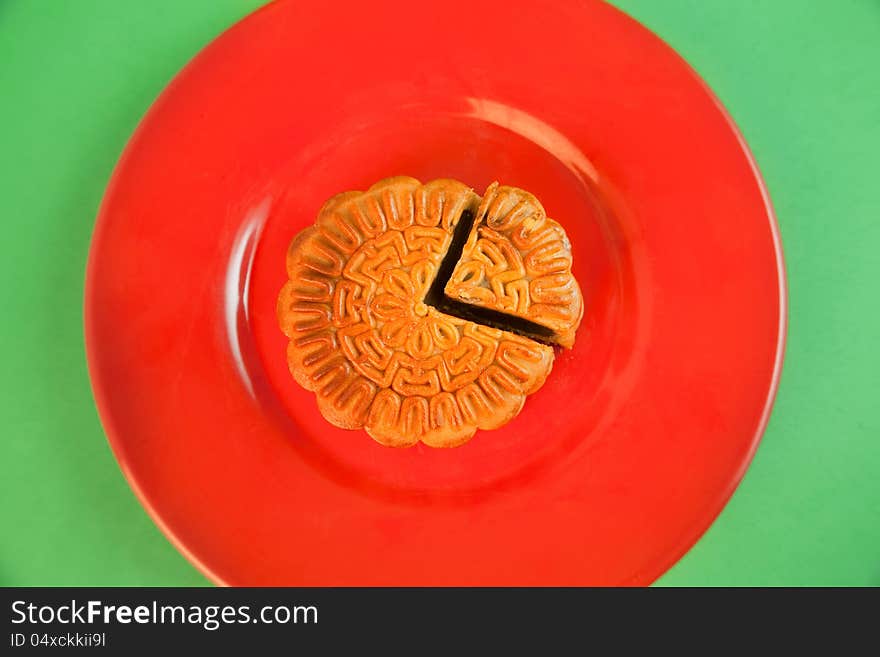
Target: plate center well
477	150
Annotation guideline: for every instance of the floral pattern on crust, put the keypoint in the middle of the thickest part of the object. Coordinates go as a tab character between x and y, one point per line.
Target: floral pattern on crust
518	261
362	339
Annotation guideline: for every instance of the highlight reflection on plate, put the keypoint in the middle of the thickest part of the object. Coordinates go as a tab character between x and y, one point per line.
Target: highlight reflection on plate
641	432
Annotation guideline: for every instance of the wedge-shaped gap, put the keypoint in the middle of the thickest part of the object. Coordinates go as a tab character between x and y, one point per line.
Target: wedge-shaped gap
436	296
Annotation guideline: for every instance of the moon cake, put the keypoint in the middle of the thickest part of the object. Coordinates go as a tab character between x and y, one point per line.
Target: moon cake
423	312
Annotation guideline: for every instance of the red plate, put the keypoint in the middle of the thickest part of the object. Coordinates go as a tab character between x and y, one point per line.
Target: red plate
613	469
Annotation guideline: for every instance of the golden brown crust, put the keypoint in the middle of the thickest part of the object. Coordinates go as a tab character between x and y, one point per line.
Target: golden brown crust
518	261
361	337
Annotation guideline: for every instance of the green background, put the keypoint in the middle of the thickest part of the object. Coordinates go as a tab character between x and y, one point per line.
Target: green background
801	79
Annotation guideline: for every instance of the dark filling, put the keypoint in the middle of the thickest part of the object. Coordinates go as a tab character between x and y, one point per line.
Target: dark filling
435	296
477	314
